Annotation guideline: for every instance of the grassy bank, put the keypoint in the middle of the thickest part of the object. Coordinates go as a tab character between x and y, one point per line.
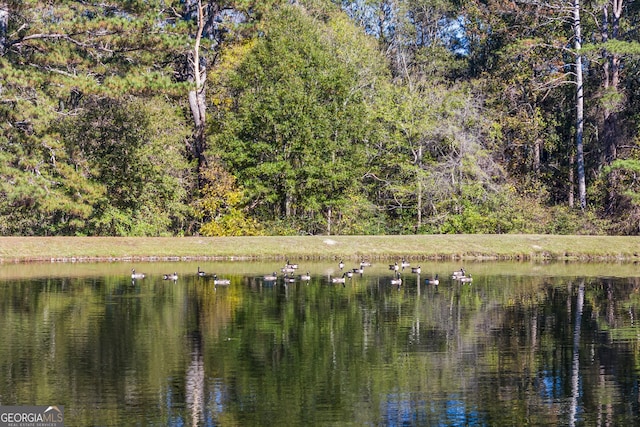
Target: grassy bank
434	247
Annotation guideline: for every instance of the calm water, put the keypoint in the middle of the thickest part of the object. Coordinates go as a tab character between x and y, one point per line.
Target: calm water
520	345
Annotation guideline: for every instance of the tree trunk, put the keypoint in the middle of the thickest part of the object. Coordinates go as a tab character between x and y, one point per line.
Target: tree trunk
419	207
537	147
197	98
611	79
287	204
582	188
4	24
572	181
610	136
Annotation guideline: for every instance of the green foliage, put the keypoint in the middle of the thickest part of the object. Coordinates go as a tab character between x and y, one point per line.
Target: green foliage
631	166
96	50
616	46
398	127
621	189
70	170
293	135
134	150
477	212
42	194
509	212
221	205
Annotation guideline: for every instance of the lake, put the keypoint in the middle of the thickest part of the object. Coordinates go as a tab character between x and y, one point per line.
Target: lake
523	344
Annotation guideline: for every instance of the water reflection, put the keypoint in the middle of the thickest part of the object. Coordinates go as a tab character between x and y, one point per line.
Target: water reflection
575	366
505	349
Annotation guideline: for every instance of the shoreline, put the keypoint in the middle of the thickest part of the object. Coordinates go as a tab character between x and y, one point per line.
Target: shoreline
477	247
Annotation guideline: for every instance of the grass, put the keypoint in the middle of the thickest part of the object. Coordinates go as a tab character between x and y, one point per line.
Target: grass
427	247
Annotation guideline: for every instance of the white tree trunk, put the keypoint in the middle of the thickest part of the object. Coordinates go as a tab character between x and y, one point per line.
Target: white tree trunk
197	99
582	188
4	24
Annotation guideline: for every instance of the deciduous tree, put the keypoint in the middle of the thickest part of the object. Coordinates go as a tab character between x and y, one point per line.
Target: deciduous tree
294	132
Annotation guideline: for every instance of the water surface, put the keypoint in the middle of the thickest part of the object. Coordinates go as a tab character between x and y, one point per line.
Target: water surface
523	344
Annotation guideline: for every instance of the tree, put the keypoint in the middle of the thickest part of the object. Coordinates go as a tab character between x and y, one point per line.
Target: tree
535	33
611	67
57	61
293	133
222	205
134	151
401	164
214	21
621	178
428	119
577	43
198	76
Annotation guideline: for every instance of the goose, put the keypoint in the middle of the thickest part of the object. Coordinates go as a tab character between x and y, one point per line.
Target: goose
173	276
339	279
359	270
135	275
394	267
397	280
305	277
289	279
270	277
466	279
294	266
349	274
217	281
201	273
287	269
404	264
416	270
341	265
458	274
364	263
434	281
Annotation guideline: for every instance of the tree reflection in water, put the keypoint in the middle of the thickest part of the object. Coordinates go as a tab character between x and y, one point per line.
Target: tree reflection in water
504	350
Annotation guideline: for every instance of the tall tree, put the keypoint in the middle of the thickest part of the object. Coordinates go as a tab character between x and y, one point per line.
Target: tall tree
57	59
134	151
214	21
293	133
577	43
198	76
611	67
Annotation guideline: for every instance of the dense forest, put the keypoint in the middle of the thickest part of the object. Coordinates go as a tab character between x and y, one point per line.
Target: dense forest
248	117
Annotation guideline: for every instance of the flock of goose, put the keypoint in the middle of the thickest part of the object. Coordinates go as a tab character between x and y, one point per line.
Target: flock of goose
462	276
174	277
289	269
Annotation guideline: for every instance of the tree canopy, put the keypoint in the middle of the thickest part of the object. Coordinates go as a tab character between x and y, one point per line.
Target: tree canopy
336	117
